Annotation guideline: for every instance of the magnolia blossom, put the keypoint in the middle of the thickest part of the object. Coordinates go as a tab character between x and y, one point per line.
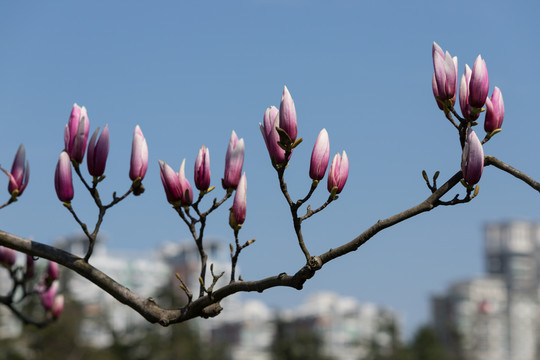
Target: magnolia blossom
98	150
202	169
339	172
47	295
52	271
8	256
187	192
176	186
139	155
479	83
76	133
239	204
494	111
30	267
171	183
320	156
20	172
63	181
270	134
287	115
472	160
444	81
466	109
234	160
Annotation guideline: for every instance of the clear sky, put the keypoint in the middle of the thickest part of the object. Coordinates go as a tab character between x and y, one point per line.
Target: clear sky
190	72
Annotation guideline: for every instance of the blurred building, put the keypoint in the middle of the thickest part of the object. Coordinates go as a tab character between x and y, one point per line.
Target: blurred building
105	318
496	317
346	328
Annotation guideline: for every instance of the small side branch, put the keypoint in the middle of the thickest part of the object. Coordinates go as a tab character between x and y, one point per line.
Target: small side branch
236	253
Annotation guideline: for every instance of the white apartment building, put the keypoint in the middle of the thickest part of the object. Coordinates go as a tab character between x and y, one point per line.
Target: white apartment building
497	317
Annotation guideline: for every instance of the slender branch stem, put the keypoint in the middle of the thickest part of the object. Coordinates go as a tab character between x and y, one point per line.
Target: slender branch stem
234	258
491	160
310	213
216	204
10	201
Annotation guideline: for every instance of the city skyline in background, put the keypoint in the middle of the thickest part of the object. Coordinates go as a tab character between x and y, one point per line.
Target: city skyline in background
189	74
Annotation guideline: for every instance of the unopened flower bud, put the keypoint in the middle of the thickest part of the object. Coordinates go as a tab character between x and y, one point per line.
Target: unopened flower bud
48	295
239	205
52	271
171	183
271	136
234	160
98	150
139	155
187	192
202	169
494	111
30	267
320	156
466	109
472	160
339	172
8	256
479	83
444	80
287	115
63	181
76	133
20	172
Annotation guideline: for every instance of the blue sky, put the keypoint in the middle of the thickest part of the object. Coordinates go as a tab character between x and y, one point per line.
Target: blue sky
190	72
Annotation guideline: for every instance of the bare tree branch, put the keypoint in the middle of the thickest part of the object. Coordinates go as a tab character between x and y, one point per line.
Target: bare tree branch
491	160
208	306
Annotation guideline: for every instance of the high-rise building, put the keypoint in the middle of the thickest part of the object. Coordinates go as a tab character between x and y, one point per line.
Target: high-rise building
497	316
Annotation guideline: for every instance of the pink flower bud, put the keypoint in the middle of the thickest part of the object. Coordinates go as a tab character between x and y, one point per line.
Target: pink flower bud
444	80
57	306
8	256
271	136
76	133
320	156
239	204
30	267
18	177
139	155
202	169
187	192
339	172
177	187
472	160
98	152
466	109
48	295
52	271
63	182
287	115
171	183
494	111
479	83
234	160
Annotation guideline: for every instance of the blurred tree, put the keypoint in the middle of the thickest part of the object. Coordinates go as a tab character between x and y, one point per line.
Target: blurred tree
427	346
296	343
